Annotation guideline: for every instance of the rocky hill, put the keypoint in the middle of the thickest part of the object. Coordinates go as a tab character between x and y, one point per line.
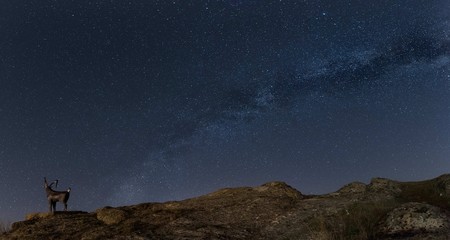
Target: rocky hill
383	209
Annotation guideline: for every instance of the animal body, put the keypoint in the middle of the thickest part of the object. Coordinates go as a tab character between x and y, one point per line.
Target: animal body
56	196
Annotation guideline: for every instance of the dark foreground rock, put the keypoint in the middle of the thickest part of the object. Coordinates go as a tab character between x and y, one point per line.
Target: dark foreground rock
416	221
383	209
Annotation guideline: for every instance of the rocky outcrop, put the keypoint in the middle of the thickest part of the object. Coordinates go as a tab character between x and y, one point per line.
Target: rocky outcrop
416	221
383	209
352	188
444	183
384	186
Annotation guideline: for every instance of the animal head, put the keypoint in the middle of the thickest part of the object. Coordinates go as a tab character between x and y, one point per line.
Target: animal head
51	184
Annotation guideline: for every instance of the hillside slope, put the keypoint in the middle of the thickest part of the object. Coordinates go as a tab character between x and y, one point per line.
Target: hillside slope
383	209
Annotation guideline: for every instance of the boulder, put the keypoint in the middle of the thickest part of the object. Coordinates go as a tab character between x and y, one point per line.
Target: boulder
416	220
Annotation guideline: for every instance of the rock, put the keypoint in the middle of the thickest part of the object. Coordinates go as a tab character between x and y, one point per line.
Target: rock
281	189
275	210
111	215
36	216
354	187
444	183
384	186
414	218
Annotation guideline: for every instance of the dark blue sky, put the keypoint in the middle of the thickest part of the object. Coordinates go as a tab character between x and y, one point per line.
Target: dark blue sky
139	101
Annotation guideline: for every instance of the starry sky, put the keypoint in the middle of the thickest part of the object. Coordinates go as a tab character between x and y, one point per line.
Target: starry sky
156	100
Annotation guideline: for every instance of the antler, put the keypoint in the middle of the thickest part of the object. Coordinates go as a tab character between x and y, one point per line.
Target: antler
51	184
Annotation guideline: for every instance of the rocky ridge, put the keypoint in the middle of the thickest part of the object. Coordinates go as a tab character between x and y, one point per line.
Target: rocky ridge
383	209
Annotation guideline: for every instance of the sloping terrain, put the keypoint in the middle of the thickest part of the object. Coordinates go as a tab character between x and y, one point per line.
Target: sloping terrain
383	209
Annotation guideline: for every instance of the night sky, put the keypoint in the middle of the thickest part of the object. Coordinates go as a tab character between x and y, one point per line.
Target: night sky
156	100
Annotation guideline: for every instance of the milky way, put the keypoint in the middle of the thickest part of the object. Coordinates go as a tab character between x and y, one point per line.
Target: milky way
140	101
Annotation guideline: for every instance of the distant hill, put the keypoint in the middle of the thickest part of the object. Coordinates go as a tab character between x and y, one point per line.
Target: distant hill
383	209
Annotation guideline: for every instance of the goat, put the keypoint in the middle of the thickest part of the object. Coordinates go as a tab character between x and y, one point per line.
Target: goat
56	196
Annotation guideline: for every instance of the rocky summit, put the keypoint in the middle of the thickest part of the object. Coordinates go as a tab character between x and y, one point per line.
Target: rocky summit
383	209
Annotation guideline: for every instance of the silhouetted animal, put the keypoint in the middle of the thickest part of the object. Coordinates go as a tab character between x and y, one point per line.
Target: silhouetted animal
56	196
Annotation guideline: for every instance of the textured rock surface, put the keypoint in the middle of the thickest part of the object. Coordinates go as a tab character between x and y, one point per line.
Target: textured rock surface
444	183
383	209
354	187
385	186
111	215
419	219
